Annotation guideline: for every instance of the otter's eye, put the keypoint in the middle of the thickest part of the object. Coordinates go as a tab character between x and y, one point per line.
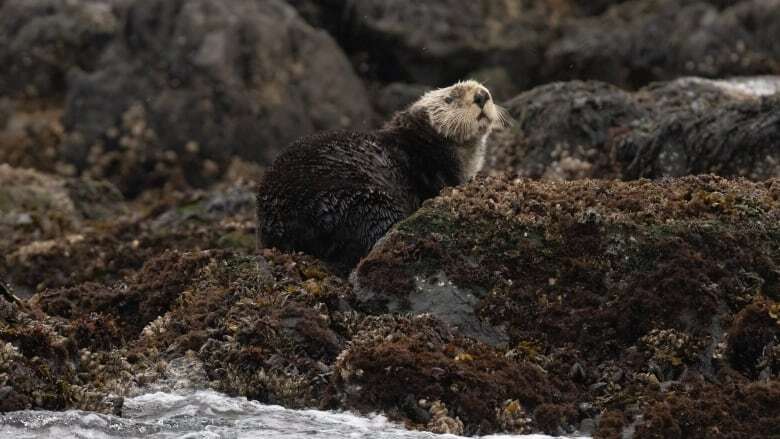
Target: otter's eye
448	99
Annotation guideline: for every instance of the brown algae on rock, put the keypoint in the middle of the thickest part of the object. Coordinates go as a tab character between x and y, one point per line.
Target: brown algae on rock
595	305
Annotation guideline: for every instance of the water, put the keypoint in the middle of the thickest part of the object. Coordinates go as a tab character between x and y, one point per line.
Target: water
206	414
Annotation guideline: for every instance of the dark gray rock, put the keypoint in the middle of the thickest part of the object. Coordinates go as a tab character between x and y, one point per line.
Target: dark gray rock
740	137
436	295
563	129
439	42
687	126
41	40
397	96
198	82
325	14
641	41
628	43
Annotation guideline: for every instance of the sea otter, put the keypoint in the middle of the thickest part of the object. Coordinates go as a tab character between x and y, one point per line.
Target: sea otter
333	195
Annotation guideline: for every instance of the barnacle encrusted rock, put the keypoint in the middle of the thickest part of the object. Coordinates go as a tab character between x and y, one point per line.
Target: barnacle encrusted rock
573	130
625	290
503	305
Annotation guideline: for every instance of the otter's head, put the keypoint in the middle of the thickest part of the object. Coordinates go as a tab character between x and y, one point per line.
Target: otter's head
463	112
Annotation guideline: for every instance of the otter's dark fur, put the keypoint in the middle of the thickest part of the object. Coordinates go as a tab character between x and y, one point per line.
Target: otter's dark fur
333	195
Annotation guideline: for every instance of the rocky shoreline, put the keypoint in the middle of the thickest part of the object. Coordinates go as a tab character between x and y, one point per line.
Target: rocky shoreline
504	305
590	281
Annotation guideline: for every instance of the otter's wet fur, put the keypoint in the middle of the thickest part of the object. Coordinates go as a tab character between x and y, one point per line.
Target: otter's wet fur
333	195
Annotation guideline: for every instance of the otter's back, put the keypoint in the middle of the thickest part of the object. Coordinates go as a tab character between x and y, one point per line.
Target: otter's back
333	195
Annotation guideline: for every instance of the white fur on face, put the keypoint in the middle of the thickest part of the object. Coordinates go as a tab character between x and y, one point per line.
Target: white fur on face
454	114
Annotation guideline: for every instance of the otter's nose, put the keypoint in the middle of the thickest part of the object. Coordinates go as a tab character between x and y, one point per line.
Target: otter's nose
480	97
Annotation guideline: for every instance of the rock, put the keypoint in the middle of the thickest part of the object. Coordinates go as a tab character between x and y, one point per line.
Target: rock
753	338
638	42
663	418
439	42
502	305
122	300
276	348
391	356
42	40
133	303
397	96
30	136
108	251
437	295
326	14
36	206
593	7
738	135
40	214
627	43
145	113
40	365
593	272
192	84
563	130
688	126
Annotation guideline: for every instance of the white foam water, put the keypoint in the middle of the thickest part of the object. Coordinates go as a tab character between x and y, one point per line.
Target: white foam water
205	414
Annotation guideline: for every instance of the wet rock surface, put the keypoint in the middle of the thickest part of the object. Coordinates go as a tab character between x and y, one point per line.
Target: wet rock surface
575	129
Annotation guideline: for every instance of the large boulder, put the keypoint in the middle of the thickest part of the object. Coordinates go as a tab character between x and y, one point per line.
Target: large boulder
194	83
640	296
729	128
562	130
688	126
